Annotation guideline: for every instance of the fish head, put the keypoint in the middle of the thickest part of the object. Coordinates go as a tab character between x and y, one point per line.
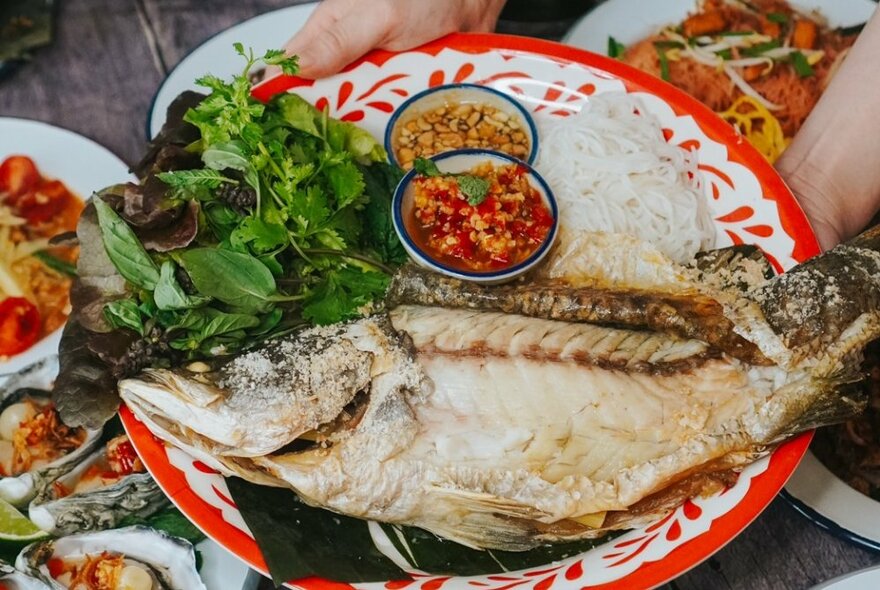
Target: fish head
260	401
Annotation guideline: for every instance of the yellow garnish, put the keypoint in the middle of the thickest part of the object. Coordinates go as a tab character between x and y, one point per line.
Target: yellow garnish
758	126
594	520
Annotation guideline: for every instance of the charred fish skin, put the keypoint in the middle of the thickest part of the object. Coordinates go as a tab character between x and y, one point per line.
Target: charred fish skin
828	297
285	388
690	315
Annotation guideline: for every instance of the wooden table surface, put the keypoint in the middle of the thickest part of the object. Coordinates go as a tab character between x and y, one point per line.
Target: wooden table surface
99	77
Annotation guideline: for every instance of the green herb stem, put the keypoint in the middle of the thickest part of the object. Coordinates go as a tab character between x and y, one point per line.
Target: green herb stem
55	263
354	256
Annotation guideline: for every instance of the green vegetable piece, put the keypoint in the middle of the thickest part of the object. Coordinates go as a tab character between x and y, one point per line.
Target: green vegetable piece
277	57
204	177
56	264
800	64
124	313
615	48
342	293
669	44
261	235
474	188
777	17
347	183
357	141
664	62
235	278
426	167
760	48
298	113
170	296
379	235
230	154
125	249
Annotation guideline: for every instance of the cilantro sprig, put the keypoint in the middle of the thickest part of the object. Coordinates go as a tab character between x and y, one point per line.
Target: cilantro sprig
476	189
293	213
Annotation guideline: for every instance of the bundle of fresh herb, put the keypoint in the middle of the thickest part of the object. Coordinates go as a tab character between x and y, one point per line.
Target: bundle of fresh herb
292	213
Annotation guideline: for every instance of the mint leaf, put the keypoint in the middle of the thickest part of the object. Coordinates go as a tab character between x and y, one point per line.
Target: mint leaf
474	188
426	167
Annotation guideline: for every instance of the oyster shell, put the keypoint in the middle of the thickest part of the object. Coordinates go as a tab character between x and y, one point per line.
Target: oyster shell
12	579
18	490
170	561
104	507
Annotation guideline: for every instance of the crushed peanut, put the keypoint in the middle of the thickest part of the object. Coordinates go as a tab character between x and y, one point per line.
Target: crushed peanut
459	125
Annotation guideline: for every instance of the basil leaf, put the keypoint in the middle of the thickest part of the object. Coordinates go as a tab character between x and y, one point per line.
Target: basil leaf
235	278
124	249
124	313
208	323
169	295
474	188
426	167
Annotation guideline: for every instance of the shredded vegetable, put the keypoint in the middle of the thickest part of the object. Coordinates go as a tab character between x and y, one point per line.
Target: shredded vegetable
758	126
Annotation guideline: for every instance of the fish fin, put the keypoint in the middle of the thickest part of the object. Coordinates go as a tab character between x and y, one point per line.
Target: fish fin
487	521
831	401
481	501
191	391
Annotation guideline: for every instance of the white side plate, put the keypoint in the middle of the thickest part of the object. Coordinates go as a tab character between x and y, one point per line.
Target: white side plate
266	31
628	21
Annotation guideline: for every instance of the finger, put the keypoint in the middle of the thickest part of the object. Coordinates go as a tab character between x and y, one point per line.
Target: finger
331	42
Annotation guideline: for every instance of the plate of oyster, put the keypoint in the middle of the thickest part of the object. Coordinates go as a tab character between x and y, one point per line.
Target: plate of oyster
132	558
331	413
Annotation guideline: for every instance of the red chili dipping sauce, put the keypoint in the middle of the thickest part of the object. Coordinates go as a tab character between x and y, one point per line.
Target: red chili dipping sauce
505	228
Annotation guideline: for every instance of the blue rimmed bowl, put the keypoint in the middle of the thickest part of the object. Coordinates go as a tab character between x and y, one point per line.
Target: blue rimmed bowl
462	161
452	96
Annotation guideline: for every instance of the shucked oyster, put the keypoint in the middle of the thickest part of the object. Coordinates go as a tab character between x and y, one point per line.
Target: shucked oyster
35	446
12	579
109	485
508	417
133	558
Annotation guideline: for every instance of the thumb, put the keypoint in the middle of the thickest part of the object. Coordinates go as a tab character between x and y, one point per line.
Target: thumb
328	44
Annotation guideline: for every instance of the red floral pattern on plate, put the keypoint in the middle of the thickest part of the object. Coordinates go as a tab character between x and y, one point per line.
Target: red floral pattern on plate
750	204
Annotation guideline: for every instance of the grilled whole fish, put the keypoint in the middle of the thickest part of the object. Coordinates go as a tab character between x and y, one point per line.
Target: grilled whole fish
508	427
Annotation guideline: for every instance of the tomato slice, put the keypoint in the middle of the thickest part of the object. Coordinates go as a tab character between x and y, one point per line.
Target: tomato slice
19	325
18	175
45	202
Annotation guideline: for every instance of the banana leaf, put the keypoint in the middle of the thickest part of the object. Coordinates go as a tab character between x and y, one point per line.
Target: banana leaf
298	541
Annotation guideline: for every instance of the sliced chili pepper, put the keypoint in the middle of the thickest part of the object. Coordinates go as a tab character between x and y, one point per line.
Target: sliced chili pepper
45	202
19	325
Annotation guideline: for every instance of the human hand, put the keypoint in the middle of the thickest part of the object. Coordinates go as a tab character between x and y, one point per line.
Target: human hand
340	31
